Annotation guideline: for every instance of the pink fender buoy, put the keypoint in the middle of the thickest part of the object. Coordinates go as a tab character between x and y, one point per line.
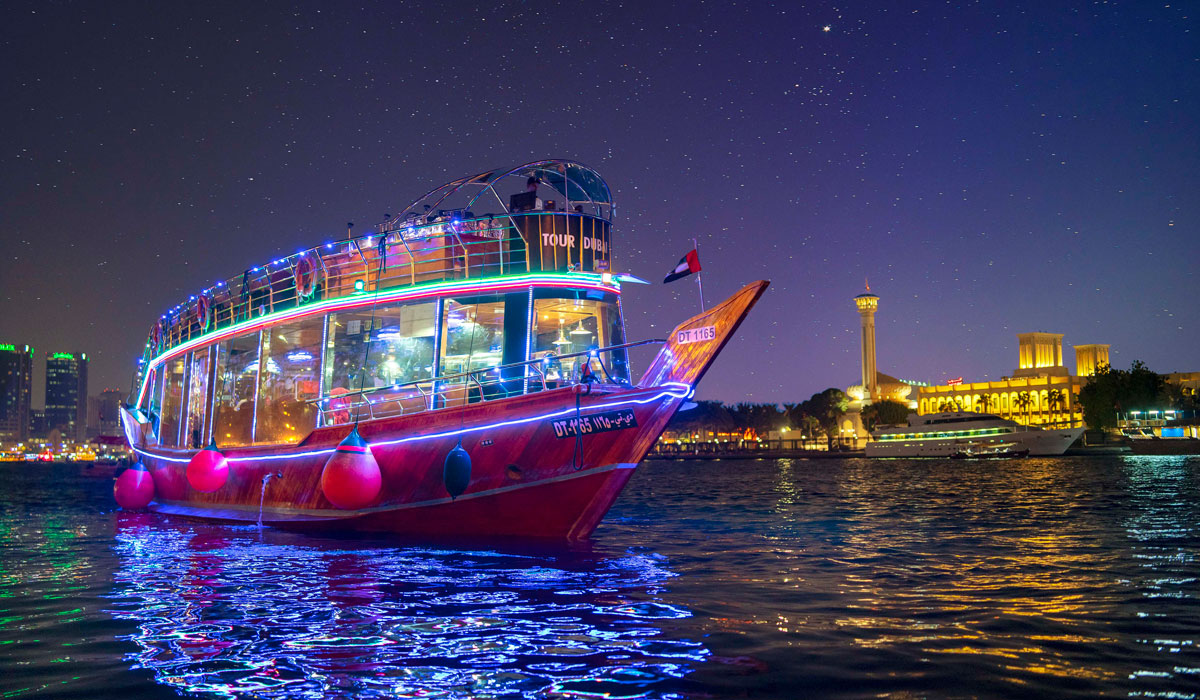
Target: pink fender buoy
351	477
208	470
134	489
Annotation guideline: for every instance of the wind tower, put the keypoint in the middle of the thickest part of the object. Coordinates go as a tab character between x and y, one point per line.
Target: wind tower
867	304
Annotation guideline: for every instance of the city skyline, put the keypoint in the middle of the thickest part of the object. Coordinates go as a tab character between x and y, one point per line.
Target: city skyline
992	172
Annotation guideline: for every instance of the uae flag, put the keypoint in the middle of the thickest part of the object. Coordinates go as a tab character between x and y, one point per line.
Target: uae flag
687	265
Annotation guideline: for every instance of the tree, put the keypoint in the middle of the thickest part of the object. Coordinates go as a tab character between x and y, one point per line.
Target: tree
989	402
1054	399
827	408
1023	402
707	416
1099	398
758	417
884	412
1111	391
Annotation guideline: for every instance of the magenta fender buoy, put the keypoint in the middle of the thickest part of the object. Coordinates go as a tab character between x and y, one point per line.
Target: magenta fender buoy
134	488
351	478
208	470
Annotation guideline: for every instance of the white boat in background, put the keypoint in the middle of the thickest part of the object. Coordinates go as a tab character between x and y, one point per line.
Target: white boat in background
946	434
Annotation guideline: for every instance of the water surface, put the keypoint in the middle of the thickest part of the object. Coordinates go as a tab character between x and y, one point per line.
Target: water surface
1068	577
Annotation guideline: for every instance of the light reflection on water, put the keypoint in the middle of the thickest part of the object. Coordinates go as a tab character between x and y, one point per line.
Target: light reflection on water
1073	577
227	612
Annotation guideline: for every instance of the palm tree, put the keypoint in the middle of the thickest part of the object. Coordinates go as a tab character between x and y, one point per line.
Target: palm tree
989	402
1023	402
1054	399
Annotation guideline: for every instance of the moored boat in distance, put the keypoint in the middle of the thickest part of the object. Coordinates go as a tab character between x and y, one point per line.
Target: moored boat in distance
948	434
452	373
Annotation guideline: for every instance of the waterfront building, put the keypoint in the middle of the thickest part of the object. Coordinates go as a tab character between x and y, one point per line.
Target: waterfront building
104	413
66	394
1040	391
16	390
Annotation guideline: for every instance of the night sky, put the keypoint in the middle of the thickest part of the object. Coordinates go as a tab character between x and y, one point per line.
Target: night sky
992	168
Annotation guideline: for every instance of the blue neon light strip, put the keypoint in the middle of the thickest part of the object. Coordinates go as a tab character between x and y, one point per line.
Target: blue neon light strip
569	280
686	393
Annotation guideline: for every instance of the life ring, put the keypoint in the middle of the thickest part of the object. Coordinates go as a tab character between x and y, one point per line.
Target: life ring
305	276
339	406
203	311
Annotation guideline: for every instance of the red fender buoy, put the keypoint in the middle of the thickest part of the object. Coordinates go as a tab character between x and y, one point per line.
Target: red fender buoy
134	489
351	478
208	470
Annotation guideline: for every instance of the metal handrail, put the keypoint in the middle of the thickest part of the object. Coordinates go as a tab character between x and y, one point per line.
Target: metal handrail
429	390
275	280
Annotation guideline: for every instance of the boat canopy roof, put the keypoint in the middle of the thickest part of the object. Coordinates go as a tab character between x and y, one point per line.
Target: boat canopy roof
576	183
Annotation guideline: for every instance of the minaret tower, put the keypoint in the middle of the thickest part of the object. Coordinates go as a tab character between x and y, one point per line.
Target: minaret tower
867	304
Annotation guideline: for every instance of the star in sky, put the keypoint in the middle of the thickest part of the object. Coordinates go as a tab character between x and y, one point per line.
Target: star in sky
827	28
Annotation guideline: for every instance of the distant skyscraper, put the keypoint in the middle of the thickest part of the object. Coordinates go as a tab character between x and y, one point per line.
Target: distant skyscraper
66	394
16	390
107	410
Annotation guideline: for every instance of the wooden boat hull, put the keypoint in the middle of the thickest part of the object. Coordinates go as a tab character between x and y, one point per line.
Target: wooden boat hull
533	474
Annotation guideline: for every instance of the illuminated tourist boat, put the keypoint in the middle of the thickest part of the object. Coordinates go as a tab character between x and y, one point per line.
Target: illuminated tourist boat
949	434
452	373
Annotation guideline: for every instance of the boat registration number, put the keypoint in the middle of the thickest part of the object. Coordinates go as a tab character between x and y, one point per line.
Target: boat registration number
595	423
696	335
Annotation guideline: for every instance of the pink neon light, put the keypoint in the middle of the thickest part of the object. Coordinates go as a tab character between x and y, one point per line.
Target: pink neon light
368	300
680	386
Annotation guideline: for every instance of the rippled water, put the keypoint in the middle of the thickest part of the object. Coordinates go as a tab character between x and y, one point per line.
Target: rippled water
790	578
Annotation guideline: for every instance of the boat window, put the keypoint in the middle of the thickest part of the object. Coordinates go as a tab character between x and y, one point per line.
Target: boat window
154	409
472	335
402	344
237	373
193	430
570	322
401	347
172	401
288	381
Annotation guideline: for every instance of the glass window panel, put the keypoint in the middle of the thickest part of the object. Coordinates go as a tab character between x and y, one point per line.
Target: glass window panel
237	372
402	344
168	435
154	399
570	323
288	381
345	350
197	404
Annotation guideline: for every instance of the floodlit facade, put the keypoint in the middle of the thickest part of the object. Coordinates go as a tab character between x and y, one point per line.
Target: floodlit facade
1041	390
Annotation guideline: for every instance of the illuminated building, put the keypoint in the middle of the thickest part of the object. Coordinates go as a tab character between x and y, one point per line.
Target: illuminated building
16	389
1089	358
104	416
66	394
1041	390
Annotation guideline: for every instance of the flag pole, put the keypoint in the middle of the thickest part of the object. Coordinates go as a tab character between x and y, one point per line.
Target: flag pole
699	283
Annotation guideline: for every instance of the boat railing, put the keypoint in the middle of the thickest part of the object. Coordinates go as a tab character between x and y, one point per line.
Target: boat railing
474	386
405	254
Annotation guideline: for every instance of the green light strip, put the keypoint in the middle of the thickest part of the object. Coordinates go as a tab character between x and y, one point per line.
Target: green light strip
953	435
582	279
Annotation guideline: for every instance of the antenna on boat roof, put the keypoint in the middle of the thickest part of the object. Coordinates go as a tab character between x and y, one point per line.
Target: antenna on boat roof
349	226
